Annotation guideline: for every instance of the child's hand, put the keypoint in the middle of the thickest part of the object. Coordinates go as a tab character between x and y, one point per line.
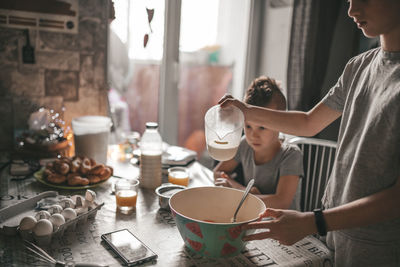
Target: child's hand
222	182
222	179
254	190
220	175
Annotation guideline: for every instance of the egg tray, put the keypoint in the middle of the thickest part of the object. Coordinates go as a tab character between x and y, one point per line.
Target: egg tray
12	215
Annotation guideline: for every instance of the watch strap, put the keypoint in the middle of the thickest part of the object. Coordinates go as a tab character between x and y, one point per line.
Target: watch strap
320	222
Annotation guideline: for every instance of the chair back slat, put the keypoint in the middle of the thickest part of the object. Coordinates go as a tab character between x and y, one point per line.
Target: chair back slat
308	179
319	188
318	160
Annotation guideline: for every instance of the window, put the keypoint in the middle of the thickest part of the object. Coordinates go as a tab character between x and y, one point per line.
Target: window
212	45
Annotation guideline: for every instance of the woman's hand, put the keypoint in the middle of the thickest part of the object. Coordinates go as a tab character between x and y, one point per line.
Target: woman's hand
286	226
228	100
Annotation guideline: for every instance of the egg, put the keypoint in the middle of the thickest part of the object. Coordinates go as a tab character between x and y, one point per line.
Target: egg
89	205
55	209
69	214
81	210
79	200
67	203
90	195
57	219
43	227
43	214
27	223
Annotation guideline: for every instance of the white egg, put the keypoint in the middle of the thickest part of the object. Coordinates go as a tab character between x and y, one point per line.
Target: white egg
67	203
81	210
57	219
90	195
27	223
79	200
89	205
55	209
43	227
69	214
43	214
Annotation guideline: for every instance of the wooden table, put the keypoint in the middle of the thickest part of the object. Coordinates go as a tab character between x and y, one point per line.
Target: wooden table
154	226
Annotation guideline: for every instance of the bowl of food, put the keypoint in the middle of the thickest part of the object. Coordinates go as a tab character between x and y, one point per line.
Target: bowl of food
73	173
203	216
164	193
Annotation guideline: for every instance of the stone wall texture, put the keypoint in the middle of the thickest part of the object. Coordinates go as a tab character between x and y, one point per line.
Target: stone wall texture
69	73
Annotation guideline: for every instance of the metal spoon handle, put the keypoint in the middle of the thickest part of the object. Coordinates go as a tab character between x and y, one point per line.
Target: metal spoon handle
246	192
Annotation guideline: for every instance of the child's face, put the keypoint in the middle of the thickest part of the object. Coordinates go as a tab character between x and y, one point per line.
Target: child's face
375	17
258	137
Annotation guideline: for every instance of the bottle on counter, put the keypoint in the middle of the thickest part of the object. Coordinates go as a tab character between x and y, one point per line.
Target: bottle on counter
150	157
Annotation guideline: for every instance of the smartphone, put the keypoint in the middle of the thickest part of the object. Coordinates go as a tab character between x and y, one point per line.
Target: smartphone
128	247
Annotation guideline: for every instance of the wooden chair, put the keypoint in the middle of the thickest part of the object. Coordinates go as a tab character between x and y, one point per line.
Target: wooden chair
318	159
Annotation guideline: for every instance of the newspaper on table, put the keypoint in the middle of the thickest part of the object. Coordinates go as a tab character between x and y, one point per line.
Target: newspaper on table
307	252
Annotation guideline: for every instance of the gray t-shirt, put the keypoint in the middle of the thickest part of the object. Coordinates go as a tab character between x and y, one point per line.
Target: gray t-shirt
288	161
368	151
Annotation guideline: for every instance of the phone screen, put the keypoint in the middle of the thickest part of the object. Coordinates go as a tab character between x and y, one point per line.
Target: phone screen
129	246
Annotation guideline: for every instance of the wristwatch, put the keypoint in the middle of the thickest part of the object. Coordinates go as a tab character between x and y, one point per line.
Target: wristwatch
320	222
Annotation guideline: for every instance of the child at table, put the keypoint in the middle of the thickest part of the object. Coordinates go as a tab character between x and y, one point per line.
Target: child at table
276	166
362	214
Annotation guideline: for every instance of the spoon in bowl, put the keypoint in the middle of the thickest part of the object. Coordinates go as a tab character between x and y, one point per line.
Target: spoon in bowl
246	192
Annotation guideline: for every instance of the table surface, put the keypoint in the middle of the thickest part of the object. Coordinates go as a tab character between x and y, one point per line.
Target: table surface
154	226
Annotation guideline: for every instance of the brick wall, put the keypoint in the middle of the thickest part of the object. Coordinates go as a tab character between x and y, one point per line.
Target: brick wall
70	71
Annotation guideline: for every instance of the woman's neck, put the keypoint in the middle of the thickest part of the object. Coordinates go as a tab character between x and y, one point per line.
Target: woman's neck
391	42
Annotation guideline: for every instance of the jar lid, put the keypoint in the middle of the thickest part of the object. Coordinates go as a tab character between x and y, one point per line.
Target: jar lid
151	125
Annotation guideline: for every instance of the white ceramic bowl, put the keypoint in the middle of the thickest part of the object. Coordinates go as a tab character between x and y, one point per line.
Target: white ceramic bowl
203	217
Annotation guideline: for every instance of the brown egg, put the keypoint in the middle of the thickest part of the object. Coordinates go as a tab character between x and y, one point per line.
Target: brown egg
67	203
90	195
27	223
43	214
57	219
69	214
79	200
55	209
43	227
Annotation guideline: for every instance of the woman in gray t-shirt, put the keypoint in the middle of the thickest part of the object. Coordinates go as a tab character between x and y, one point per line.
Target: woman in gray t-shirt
274	165
362	215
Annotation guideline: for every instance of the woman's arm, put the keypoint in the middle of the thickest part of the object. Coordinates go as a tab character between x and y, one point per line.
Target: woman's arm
290	226
291	122
381	206
284	194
